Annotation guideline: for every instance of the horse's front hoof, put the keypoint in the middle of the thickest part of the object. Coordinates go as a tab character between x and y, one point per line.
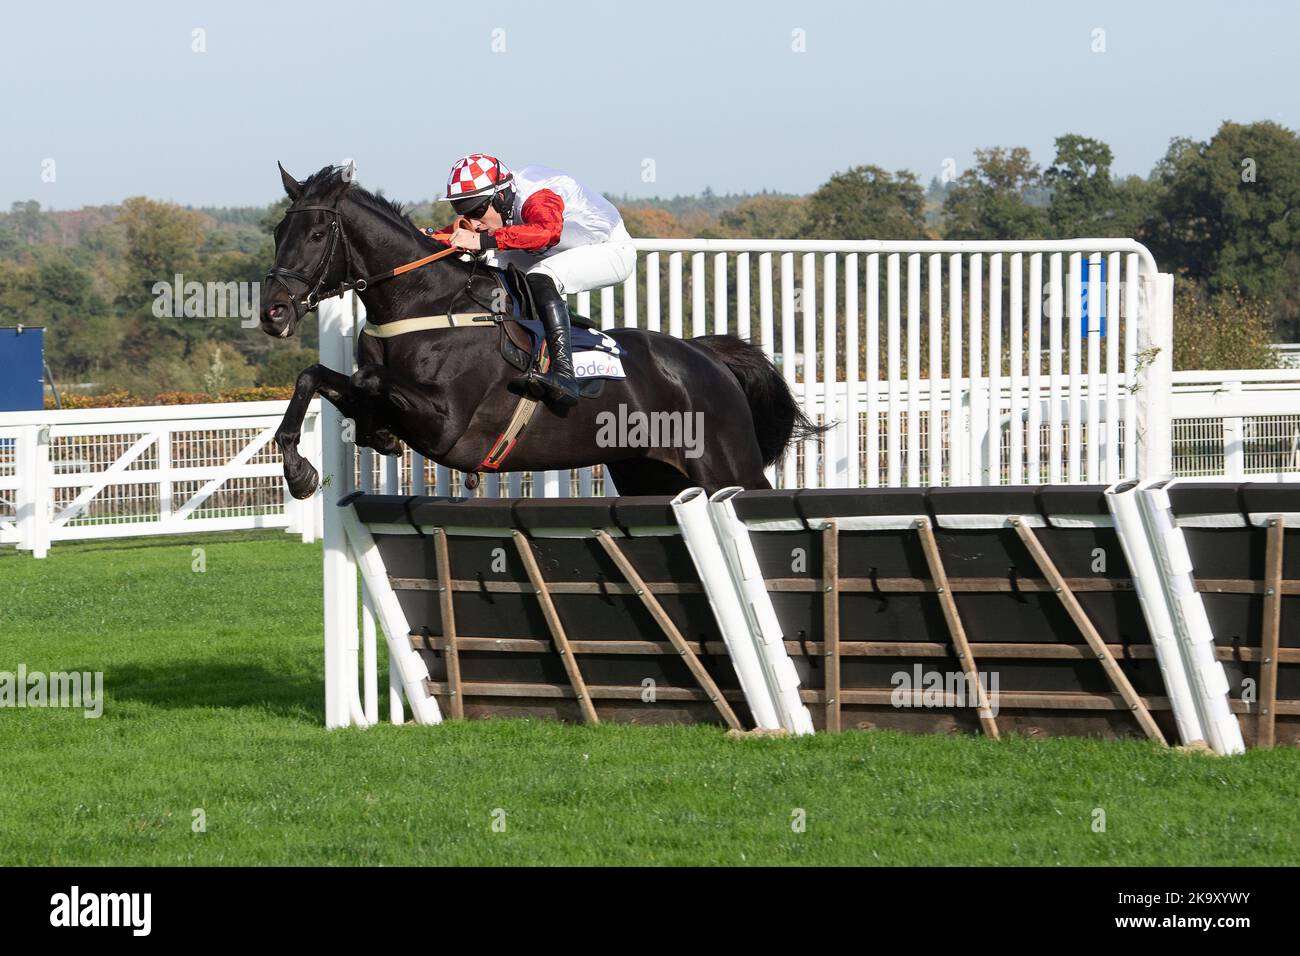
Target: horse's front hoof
386	443
304	483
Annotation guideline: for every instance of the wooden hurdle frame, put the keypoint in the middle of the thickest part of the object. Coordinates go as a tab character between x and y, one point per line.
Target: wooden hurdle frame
835	645
838	701
450	644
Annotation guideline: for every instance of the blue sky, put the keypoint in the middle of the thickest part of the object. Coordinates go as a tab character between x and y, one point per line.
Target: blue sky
713	93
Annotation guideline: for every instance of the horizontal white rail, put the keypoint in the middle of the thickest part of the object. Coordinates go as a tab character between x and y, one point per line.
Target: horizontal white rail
204	414
888	246
1282	378
74	474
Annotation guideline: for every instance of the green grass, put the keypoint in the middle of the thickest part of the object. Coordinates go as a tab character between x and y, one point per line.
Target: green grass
214	702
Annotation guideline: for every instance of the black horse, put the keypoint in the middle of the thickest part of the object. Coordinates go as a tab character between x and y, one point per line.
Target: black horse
444	392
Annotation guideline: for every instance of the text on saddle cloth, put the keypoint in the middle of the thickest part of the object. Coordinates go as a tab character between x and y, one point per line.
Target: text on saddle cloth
595	354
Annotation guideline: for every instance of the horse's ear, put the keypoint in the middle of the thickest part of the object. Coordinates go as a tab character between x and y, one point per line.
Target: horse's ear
292	187
349	171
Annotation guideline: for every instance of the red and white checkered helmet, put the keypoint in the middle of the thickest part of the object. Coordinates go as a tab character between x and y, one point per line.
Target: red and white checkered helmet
476	174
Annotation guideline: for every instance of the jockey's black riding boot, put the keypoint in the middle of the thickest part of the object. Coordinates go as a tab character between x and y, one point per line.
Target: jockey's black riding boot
557	382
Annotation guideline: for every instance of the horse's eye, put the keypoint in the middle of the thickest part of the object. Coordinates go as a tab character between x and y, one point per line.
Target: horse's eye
317	236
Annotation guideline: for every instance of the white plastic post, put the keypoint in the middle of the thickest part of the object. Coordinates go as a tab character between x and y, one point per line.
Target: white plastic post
699	321
765	630
1155	380
1113	327
396	712
340	572
1234	439
935	378
42	496
958	446
411	669
419	484
992	472
913	431
720	294
1054	426
369	659
25	493
833	465
893	369
1092	448
852	376
808	304
766	326
1074	331
1132	302
789	479
652	308
1122	500
1034	416
1016	360
977	422
692	513
873	370
1209	683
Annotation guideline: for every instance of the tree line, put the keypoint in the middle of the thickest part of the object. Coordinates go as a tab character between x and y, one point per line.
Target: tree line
1220	214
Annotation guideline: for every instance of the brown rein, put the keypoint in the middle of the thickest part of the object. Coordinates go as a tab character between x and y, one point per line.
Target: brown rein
461	223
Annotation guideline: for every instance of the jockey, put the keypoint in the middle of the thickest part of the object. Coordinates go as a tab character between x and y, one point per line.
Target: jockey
564	236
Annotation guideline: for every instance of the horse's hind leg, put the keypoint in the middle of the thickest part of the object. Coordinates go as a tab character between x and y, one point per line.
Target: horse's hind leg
336	389
726	464
713	479
646	476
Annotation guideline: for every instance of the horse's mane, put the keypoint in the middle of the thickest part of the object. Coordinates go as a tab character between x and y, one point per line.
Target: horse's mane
326	177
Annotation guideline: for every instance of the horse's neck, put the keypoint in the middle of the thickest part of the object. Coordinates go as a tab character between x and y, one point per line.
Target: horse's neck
377	246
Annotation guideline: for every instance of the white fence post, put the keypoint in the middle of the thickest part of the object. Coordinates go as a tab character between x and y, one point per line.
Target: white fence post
42	492
32	497
1155	362
165	496
340	570
1234	446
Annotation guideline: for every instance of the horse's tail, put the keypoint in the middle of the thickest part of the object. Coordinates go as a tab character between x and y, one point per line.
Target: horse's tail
778	419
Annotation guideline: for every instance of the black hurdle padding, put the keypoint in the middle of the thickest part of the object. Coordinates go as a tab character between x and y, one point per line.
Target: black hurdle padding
496	607
1225	526
888	599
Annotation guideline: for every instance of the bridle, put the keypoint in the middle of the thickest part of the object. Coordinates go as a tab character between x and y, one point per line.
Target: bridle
313	295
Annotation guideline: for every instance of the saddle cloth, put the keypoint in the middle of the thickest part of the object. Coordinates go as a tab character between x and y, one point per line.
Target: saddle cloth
595	354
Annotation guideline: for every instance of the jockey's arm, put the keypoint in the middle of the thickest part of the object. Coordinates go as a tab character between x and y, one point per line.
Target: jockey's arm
542	223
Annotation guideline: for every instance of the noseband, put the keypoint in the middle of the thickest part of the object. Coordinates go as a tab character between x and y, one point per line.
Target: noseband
313	295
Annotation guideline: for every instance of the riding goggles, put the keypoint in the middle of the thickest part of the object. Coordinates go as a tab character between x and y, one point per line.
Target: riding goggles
472	207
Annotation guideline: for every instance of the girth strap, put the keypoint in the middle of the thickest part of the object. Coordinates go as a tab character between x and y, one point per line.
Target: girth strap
505	442
424	323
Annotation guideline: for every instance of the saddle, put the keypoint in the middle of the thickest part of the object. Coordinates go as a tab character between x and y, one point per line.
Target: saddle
596	356
523	339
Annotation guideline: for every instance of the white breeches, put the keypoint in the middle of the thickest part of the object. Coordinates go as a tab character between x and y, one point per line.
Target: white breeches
580	269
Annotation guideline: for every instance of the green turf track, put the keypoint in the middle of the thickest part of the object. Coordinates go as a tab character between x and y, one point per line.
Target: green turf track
214	702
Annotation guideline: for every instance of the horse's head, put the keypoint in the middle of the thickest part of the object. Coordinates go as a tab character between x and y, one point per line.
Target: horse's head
311	249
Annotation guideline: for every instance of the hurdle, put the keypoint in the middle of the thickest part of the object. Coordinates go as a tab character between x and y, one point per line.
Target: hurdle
1030	610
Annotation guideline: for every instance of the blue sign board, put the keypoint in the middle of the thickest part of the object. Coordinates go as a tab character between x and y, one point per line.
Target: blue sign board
1096	322
22	369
